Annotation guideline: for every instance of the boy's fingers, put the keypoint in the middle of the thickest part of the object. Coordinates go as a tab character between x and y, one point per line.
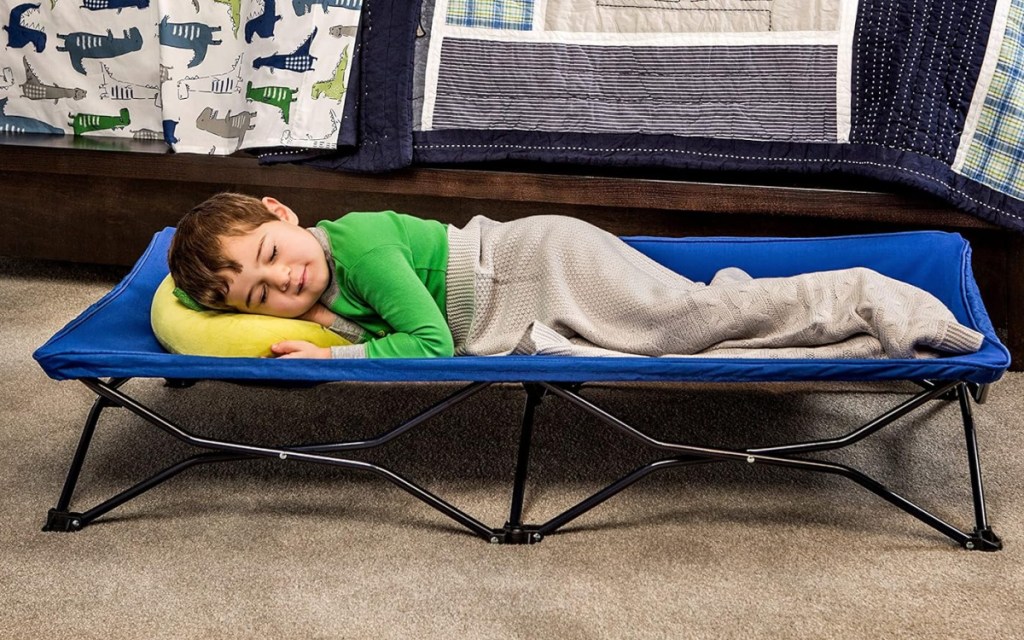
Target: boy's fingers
288	346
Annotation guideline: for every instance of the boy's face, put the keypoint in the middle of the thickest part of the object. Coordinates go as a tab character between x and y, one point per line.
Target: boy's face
284	269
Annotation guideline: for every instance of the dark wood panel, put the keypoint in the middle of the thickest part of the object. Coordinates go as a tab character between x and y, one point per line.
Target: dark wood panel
680	196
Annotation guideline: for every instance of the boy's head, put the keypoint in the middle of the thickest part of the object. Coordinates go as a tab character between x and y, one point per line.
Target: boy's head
237	252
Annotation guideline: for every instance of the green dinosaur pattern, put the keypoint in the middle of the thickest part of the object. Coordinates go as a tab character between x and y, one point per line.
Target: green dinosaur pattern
86	122
70	66
335	87
280	97
235	6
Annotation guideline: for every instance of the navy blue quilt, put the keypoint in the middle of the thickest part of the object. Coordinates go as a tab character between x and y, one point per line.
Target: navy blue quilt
923	94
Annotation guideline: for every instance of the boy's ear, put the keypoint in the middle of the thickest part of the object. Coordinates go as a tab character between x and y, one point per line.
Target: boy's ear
280	210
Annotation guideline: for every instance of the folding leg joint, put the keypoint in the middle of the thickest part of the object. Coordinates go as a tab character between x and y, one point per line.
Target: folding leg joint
516	534
979	391
63	521
983	540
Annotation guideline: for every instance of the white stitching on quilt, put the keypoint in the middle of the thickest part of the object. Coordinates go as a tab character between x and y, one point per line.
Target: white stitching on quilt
933	77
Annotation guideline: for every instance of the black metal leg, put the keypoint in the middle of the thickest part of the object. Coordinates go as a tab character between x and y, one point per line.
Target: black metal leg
984	538
156	479
611	490
388	436
59	518
514	531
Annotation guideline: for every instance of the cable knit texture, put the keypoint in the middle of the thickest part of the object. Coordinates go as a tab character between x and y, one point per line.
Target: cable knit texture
555	285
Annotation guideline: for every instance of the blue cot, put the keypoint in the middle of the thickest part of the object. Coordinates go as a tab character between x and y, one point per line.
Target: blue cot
111	342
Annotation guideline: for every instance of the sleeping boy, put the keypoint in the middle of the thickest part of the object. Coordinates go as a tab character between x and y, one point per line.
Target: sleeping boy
398	286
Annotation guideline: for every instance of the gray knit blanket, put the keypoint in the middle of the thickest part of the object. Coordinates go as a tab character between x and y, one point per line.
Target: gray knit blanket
555	285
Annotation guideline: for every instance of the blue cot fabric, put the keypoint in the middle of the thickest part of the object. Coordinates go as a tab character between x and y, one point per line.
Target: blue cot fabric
113	336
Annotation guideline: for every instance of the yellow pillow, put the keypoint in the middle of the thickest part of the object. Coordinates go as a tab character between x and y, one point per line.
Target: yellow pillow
218	333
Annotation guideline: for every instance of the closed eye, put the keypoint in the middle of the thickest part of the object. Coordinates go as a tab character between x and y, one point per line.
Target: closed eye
273	254
263	295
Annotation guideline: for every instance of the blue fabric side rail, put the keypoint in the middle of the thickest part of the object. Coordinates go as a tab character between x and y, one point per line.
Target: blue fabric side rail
113	338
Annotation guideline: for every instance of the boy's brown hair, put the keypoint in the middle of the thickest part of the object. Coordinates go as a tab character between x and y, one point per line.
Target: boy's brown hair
196	256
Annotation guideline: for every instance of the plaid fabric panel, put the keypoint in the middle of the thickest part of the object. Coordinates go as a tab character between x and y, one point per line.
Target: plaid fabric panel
491	14
996	155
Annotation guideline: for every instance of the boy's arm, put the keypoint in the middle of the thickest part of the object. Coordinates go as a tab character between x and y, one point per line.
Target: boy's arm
391	287
387	283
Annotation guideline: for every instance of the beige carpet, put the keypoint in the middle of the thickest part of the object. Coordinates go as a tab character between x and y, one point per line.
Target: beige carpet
281	550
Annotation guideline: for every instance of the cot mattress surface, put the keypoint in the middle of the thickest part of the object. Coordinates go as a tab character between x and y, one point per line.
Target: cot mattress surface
113	337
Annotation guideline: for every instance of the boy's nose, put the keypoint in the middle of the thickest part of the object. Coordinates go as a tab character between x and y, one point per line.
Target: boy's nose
284	278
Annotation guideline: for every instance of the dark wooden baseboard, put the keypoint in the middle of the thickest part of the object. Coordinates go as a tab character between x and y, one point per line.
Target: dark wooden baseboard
87	201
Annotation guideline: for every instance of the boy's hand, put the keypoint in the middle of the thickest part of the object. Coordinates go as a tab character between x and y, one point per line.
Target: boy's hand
299	349
320	314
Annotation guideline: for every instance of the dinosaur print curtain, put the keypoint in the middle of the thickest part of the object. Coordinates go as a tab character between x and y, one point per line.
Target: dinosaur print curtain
206	76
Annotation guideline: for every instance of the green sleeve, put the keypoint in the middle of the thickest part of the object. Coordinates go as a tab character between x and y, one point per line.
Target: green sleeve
390	286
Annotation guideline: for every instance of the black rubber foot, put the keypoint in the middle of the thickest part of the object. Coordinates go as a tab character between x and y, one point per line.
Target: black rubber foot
62	521
512	534
984	540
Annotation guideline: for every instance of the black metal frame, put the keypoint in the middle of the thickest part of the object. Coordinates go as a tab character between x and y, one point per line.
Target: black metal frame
515	531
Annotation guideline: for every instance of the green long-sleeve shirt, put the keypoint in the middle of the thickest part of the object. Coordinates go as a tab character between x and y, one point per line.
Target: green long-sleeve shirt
389	278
